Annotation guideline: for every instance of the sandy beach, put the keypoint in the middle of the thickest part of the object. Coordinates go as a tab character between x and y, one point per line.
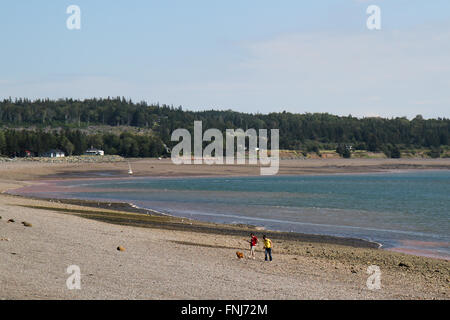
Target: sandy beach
174	258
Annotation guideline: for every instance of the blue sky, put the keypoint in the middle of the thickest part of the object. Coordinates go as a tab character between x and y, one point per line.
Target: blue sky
250	56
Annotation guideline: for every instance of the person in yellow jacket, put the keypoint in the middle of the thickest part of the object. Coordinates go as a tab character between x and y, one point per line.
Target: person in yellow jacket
267	247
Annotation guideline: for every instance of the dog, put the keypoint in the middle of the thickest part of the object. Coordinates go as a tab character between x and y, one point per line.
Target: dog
240	255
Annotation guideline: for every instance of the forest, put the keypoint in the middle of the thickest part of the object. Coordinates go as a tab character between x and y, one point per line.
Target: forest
40	125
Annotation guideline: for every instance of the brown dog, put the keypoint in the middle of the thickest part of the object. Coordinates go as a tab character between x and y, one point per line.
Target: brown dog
240	255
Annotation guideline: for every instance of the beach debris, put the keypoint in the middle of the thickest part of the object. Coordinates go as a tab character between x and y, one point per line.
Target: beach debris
120	248
402	264
0	217
240	255
11	220
4	239
27	224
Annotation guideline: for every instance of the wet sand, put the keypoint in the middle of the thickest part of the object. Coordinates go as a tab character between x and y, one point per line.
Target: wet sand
165	168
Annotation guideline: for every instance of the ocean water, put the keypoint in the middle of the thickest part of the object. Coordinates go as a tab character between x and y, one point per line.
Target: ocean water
403	211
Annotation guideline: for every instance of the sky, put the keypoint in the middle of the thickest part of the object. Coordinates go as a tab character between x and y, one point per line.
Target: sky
254	56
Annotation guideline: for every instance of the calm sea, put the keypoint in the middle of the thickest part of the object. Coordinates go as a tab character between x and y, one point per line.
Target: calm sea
408	211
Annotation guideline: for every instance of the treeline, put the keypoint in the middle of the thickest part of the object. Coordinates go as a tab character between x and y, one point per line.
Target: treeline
308	132
15	143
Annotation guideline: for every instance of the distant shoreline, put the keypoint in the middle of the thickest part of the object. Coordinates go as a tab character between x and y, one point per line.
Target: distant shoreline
151	167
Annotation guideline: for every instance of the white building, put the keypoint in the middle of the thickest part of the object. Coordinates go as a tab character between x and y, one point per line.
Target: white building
54	153
94	152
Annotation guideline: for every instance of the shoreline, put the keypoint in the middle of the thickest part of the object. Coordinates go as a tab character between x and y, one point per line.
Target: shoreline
208	227
23	170
221	227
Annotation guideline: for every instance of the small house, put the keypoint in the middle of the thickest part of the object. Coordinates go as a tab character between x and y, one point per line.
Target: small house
94	152
54	153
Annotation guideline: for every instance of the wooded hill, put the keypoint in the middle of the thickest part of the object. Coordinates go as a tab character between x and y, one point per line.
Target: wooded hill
40	125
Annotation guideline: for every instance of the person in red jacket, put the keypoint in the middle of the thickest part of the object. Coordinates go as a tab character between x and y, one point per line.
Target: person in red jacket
253	243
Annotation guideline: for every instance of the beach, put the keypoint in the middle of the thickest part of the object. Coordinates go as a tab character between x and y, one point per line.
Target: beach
66	169
174	258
